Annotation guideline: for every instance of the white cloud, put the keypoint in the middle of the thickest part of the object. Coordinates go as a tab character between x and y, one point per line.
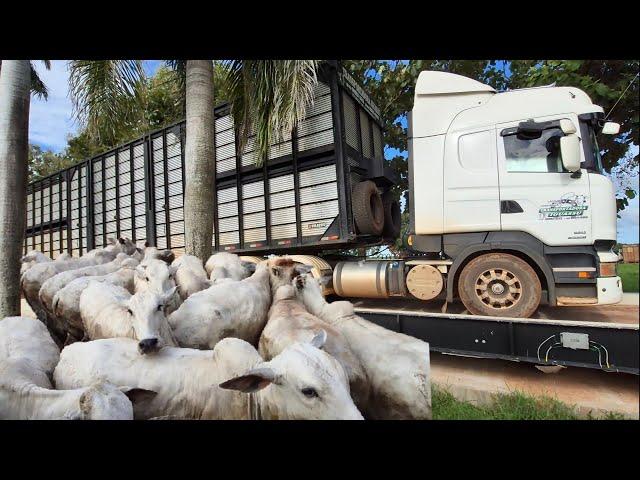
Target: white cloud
50	121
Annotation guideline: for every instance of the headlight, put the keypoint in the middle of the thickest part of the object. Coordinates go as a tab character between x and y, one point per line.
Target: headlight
608	269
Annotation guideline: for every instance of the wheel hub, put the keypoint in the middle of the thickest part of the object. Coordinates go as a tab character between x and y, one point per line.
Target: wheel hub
498	288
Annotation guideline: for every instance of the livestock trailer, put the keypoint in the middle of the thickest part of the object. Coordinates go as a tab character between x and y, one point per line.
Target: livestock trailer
299	199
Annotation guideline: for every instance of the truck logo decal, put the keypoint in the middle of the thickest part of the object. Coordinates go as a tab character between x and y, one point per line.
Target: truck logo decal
570	205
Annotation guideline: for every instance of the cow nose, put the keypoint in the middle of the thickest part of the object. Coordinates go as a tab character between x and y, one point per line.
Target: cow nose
148	344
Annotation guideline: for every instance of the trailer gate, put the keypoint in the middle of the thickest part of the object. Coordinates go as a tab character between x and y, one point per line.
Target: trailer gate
610	347
299	199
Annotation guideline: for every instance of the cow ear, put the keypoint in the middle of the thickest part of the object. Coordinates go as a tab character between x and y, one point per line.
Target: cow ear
252	381
138	395
167	256
111	241
319	339
275	271
325	280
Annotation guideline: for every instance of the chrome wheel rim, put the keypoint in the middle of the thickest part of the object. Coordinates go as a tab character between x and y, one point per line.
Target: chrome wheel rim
498	288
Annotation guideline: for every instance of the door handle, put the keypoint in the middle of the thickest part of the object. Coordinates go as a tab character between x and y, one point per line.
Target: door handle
510	206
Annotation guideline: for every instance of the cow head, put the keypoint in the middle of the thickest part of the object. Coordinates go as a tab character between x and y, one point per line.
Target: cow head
156	275
103	401
304	383
282	270
147	311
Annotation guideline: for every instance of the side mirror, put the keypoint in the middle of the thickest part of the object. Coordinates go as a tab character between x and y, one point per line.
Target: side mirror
570	152
611	128
567	126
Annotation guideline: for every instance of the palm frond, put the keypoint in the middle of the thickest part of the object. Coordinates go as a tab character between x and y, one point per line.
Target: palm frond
38	88
105	94
269	98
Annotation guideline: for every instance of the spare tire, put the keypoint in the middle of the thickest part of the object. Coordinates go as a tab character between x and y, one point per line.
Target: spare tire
368	212
392	216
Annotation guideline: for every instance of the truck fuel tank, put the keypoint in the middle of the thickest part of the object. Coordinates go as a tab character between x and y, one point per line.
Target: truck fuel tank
369	279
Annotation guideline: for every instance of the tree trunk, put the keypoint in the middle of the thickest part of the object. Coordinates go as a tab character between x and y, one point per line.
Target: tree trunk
15	81
199	159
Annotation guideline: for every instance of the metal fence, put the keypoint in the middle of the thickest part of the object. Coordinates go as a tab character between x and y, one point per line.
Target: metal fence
299	198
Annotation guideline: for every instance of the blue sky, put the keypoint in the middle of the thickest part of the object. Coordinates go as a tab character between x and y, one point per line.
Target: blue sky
51	122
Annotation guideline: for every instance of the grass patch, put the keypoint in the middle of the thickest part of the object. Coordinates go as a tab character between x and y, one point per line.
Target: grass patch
629	274
511	406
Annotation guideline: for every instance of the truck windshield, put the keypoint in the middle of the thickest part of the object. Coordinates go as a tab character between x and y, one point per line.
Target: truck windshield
593	161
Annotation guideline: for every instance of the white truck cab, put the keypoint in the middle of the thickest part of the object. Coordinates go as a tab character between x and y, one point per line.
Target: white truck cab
509	188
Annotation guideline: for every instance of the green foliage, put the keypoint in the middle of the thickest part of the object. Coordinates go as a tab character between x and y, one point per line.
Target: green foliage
44	162
629	275
511	406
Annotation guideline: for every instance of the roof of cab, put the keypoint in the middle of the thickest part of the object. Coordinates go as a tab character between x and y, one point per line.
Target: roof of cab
439	83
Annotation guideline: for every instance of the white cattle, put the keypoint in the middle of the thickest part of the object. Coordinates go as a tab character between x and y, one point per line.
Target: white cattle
28	339
66	302
33	279
190	275
223	265
397	365
109	311
59	281
31	258
227	309
290	322
28	357
22	397
229	382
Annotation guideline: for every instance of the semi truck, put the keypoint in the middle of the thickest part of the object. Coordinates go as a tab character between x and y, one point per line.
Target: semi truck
509	206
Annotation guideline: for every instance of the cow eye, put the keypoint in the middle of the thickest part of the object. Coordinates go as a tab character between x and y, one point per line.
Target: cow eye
160	307
130	312
147	278
310	392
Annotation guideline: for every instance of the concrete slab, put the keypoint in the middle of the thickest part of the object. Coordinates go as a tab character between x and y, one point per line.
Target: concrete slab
476	380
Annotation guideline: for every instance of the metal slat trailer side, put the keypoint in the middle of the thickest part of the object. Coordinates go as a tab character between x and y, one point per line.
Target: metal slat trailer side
299	200
613	347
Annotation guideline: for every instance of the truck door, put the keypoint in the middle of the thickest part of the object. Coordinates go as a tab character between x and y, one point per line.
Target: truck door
537	195
471	196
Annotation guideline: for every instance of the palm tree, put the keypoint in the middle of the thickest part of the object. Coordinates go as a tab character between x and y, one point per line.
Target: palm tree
15	86
267	96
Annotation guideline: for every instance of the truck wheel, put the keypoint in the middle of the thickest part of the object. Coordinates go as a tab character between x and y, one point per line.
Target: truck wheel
392	219
367	208
499	284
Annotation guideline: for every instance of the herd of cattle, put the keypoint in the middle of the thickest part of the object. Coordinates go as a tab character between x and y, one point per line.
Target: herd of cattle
148	336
